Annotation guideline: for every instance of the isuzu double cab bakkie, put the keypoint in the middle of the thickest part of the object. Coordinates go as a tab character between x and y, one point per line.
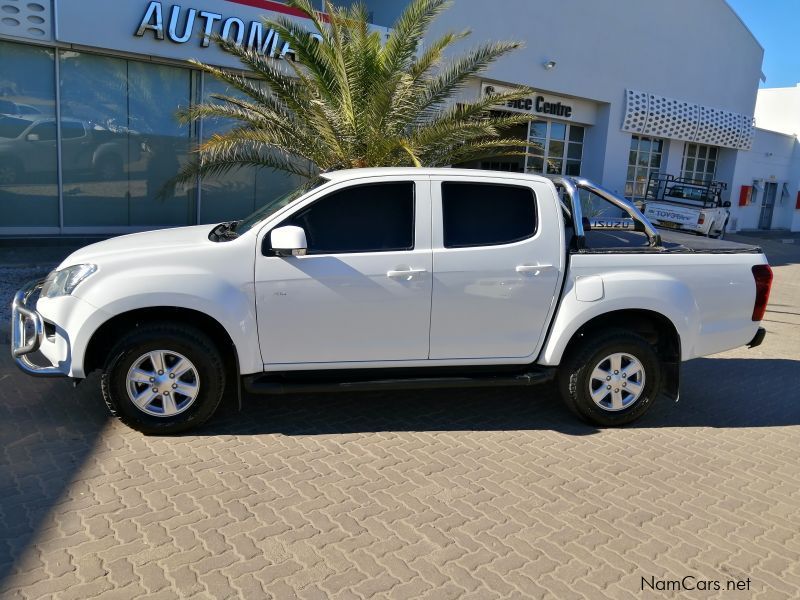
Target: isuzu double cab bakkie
394	278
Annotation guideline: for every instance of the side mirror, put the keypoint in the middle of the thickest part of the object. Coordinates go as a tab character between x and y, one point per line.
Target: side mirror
288	241
726	204
32	137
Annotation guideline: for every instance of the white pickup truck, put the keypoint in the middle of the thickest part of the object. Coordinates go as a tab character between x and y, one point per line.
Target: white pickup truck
394	278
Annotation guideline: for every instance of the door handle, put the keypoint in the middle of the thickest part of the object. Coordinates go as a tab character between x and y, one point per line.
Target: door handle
406	273
535	269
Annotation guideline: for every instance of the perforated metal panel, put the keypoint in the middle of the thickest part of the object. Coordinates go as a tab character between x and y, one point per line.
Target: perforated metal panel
659	116
671	118
31	19
636	111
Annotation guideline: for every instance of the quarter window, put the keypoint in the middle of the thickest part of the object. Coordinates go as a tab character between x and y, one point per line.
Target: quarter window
365	218
484	214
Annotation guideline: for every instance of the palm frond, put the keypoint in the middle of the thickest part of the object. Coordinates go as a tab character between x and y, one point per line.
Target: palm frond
352	99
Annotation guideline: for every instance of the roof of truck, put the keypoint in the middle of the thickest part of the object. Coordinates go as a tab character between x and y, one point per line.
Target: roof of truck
346	174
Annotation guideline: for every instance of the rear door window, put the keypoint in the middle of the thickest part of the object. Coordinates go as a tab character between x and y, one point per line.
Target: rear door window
486	214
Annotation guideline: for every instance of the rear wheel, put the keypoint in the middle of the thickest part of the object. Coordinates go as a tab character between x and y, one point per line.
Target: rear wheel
611	379
162	378
721	234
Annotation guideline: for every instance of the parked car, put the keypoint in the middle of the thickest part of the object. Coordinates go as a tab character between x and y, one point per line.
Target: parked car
28	147
395	278
9	107
687	205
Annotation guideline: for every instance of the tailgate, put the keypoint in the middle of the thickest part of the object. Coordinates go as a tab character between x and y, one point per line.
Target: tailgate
668	215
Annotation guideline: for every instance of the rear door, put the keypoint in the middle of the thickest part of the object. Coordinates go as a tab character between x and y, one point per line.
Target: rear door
498	258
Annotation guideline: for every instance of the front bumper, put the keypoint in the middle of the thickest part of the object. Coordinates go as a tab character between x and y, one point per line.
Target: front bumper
21	345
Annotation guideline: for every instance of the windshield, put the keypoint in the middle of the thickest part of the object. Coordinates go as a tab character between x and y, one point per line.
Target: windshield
270	208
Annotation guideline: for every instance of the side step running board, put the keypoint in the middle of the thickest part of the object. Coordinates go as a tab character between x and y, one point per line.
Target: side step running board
264	384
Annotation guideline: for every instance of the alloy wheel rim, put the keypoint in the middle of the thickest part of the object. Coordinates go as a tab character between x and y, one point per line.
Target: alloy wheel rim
617	382
162	383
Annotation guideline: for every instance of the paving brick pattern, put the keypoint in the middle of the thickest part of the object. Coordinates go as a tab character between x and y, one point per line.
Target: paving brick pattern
484	494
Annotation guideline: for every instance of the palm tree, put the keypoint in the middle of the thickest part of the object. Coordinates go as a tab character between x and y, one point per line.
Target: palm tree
353	99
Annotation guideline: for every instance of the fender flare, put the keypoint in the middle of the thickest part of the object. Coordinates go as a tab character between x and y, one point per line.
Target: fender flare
666	297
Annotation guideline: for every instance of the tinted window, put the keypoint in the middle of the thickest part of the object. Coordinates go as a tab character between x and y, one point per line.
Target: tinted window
365	218
11	127
484	214
71	130
45	131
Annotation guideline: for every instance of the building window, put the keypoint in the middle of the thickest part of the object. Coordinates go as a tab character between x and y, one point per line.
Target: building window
699	162
28	151
237	193
120	142
501	165
644	159
556	148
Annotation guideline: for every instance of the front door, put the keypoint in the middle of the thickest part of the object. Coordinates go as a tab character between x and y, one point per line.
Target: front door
498	259
767	205
362	294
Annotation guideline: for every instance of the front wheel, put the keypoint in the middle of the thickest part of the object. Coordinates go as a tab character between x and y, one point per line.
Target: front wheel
611	379
163	378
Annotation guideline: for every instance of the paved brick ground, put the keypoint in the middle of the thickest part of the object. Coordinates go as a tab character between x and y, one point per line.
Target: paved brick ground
490	494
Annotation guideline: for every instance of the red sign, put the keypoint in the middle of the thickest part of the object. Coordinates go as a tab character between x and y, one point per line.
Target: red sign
275	7
744	195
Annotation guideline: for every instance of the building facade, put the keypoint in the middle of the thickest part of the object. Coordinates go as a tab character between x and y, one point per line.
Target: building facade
623	90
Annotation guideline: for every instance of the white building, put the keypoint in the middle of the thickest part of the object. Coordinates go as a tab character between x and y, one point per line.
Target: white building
624	89
778	109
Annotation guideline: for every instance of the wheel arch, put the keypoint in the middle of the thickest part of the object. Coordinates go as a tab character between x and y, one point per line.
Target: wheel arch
106	335
656	328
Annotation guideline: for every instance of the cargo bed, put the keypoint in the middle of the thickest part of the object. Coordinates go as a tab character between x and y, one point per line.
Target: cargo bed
672	242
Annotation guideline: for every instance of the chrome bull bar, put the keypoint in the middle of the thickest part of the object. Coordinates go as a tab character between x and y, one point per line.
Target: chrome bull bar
21	346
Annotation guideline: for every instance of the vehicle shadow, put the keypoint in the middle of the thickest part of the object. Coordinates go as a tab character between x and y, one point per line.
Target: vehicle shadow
47	432
715	392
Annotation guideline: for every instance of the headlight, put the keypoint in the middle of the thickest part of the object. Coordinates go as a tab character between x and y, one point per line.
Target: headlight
61	283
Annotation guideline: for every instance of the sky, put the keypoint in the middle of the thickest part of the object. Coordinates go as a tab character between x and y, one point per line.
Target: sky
776	25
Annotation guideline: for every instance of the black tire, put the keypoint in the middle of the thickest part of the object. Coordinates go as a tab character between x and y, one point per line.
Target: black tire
188	341
575	374
721	234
